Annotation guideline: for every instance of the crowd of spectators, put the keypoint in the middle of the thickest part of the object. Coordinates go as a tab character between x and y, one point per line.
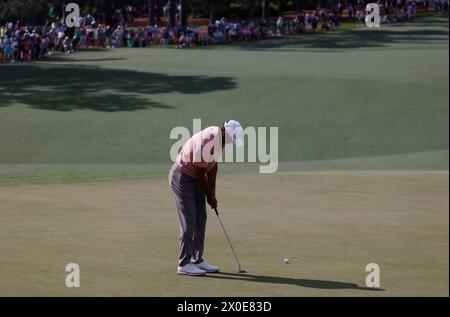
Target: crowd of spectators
26	42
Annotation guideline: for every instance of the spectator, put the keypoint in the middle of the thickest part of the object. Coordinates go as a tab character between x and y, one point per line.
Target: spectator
25	43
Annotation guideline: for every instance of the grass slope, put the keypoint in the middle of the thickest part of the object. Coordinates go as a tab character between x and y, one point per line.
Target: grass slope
352	95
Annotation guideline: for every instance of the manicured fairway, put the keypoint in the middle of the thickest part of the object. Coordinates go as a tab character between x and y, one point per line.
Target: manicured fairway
363	173
337	96
124	236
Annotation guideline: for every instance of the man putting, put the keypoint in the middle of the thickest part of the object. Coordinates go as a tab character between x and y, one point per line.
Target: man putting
192	179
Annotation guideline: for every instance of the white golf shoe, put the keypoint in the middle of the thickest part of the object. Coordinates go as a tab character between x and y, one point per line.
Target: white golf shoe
190	269
207	267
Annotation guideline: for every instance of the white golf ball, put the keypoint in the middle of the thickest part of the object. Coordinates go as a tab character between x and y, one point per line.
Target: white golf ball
286	260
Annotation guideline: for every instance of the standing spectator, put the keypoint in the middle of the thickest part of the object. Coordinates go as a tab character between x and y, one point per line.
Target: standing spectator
165	38
307	22
315	22
279	27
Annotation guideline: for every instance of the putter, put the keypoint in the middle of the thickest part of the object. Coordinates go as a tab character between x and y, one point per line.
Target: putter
241	270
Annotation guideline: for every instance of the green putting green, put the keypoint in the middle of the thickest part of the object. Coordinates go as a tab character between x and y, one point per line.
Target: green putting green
124	236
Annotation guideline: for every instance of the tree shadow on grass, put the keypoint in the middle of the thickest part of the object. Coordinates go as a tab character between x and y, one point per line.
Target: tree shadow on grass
419	31
66	59
318	284
75	87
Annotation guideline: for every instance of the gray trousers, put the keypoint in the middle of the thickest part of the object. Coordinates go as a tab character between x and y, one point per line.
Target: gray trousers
190	201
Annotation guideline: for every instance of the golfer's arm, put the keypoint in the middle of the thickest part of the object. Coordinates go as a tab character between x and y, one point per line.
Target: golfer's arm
212	179
201	179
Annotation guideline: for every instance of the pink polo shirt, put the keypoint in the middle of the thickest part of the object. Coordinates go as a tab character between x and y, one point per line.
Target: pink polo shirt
201	151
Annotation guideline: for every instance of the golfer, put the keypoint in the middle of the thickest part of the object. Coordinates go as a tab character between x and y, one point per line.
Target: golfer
193	182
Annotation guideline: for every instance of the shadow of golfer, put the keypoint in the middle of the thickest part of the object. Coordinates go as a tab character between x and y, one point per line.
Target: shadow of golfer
319	284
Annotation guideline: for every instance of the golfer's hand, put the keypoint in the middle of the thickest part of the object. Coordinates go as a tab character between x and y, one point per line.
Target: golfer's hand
212	201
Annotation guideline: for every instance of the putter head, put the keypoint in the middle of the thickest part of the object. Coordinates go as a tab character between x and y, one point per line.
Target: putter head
243	271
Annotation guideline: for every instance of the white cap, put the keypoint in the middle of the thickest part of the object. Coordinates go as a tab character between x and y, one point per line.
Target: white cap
234	131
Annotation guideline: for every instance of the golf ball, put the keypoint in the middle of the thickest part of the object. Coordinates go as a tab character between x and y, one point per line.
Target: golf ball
286	261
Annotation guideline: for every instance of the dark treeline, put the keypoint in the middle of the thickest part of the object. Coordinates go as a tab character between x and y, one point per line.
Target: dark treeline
108	11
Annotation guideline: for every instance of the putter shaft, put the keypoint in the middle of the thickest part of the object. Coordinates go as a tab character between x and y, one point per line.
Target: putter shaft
229	242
